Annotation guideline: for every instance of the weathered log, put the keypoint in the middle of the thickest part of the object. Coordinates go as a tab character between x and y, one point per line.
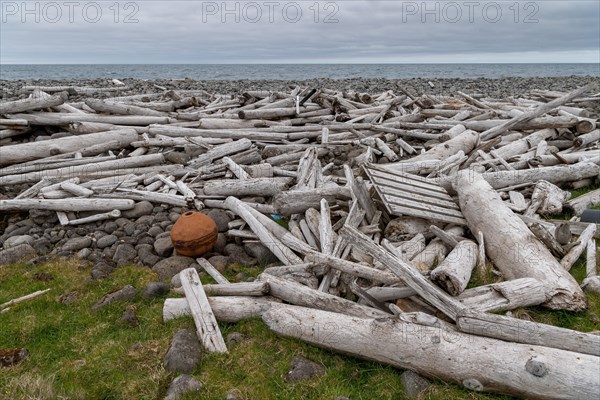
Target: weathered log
66	205
247	187
226	309
465	142
409	274
453	274
206	324
35	150
472	361
298	201
521	331
59	119
541	109
571	257
301	295
557	174
121	109
579	204
511	246
32	103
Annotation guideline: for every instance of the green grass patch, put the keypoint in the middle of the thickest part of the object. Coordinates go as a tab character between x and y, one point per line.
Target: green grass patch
76	353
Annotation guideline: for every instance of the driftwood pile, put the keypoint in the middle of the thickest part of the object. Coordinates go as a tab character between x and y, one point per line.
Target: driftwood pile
393	201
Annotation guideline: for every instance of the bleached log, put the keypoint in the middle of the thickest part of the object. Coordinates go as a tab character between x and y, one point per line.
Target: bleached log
66	205
206	324
32	103
464	142
452	132
410	248
220	151
95	217
453	274
584	140
22	299
301	295
353	269
511	246
504	296
230	309
212	271
35	150
247	187
153	197
527	371
59	119
522	331
547	238
121	109
281	251
541	109
557	174
579	204
76	189
409	274
591	268
236	169
573	255
298	201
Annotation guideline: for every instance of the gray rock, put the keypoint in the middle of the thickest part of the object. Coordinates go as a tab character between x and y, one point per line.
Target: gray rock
413	384
155	289
102	270
238	255
84	253
177	157
184	354
13	241
260	252
40	217
303	369
155	231
181	385
220	244
130	319
106	241
126	294
129	229
176	281
17	253
77	243
221	218
219	262
234	394
173	265
110	227
42	245
124	254
234	338
146	254
163	246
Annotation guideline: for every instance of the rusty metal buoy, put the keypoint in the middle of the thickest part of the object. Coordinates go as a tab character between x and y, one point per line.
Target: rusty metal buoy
194	234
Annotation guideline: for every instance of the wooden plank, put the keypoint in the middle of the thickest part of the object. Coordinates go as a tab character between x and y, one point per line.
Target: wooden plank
407	187
392	192
206	324
399	210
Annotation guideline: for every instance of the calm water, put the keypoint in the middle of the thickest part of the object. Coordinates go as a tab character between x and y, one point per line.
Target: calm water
292	71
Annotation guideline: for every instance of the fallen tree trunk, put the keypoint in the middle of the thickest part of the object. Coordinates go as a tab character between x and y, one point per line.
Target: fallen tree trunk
226	309
579	204
476	363
19	153
66	205
515	251
32	103
556	174
453	274
246	187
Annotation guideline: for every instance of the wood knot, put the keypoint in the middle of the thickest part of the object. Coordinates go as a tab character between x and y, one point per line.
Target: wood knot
473	384
536	368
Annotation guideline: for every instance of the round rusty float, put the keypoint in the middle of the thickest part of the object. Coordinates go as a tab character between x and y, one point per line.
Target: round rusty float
194	234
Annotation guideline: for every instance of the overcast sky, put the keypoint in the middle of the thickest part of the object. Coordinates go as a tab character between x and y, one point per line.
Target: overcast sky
69	31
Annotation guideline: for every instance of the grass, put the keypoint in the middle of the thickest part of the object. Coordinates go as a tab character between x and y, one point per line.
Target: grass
76	353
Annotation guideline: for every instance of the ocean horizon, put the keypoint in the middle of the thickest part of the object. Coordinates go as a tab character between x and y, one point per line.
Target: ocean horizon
13	72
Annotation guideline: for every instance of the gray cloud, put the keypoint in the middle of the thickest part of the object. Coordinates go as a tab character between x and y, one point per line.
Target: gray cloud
365	31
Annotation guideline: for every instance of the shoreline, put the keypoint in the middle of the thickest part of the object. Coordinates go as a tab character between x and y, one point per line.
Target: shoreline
494	87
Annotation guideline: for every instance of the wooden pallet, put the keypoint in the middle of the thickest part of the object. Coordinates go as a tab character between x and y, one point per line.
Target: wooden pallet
408	194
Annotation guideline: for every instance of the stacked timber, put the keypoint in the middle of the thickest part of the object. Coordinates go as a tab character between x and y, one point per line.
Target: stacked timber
392	203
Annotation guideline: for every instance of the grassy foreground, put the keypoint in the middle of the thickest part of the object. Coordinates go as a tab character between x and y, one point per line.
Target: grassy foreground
80	354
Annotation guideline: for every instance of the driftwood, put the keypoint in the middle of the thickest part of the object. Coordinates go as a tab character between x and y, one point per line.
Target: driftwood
454	272
528	370
206	324
511	246
226	309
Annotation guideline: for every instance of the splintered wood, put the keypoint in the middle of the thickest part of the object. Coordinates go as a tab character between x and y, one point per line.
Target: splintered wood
390	203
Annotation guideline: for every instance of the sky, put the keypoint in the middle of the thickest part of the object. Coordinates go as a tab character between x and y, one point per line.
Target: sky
343	31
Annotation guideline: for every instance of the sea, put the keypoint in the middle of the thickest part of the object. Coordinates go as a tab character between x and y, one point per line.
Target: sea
290	71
